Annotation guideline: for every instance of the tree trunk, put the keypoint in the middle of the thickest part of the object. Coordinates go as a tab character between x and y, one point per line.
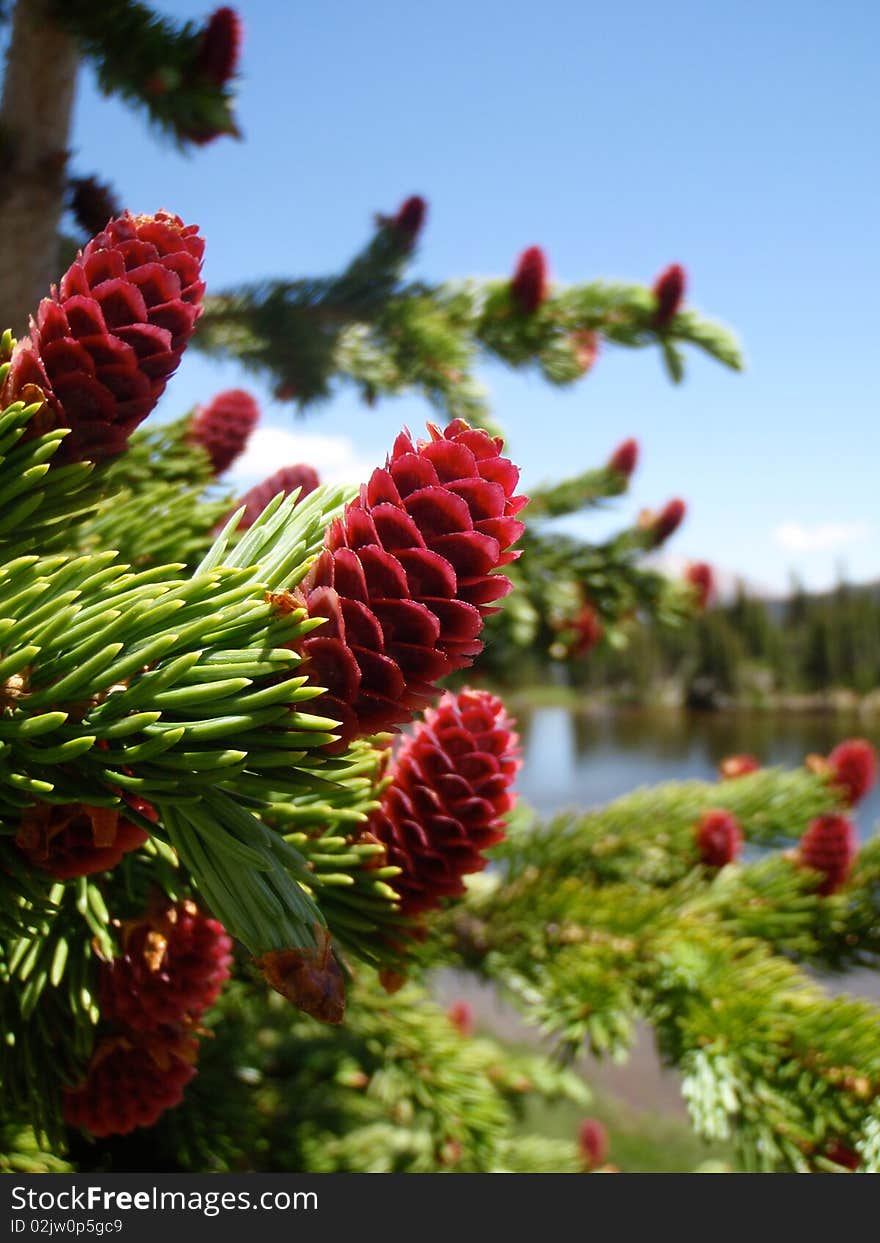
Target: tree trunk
35	116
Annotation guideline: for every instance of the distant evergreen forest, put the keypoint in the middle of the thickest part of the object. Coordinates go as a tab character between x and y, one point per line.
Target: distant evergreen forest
747	650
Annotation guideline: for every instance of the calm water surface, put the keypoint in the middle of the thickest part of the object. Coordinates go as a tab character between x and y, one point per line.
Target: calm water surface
582	759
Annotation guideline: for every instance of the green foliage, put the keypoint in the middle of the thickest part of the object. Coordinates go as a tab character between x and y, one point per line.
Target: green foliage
370	327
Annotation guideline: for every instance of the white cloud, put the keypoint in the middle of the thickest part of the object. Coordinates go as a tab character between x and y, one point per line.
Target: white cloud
796	537
335	458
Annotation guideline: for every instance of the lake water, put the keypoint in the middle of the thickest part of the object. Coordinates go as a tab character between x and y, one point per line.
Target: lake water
584	759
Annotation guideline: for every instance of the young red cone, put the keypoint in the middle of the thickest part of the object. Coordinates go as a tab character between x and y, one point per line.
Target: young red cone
409	218
223	427
220	46
853	769
407	576
702	579
625	458
68	840
130	1083
719	838
451	787
461	1016
174	963
660	527
593	1143
829	846
285	480
587	630
738	766
529	284
105	342
669	290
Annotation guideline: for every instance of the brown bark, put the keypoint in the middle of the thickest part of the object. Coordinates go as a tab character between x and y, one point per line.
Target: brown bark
35	117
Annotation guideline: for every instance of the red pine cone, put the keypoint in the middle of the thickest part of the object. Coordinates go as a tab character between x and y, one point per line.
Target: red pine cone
220	46
829	846
738	766
73	840
702	579
669	290
719	838
625	458
93	204
449	793
407	576
530	281
223	426
853	769
409	218
130	1084
593	1143
661	526
588	630
285	480
174	964
106	341
461	1016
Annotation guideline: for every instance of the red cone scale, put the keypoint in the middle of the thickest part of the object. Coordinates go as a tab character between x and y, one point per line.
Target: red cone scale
719	838
174	964
829	846
450	790
223	427
105	342
407	576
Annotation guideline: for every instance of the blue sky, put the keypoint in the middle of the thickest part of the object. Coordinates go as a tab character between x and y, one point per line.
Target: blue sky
738	140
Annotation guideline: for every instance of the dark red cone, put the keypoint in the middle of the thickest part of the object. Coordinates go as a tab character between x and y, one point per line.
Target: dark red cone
829	846
853	769
174	963
105	342
451	787
593	1143
223	427
285	480
625	458
738	766
669	290
529	284
220	46
702	579
407	576
130	1083
93	204
719	838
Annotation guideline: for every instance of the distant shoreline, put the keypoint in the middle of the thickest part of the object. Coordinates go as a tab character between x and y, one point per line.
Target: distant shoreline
842	703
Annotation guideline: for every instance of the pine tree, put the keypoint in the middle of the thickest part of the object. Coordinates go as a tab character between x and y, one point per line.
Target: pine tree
235	797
